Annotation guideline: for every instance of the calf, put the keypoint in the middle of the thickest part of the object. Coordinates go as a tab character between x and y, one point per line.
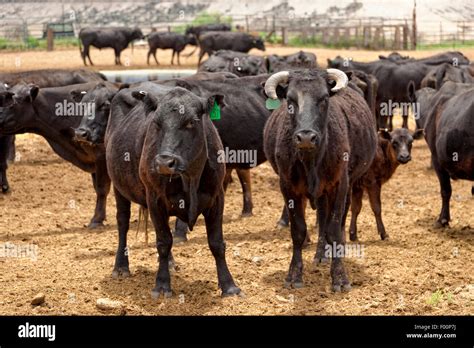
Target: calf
116	38
51	113
393	149
235	41
171	168
320	141
174	41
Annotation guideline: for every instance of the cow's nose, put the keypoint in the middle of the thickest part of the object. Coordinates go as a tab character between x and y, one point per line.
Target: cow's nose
404	158
81	133
306	139
166	164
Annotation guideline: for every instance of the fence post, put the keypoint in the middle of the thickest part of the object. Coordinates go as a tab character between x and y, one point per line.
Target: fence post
396	42
405	37
247	23
284	36
50	39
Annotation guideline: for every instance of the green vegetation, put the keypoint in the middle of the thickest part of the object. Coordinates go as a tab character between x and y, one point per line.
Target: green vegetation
439	296
447	45
205	18
34	43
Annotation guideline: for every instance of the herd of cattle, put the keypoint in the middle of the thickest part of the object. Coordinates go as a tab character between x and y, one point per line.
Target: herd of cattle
319	129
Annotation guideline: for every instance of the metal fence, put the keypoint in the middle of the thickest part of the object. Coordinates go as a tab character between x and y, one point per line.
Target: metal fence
369	33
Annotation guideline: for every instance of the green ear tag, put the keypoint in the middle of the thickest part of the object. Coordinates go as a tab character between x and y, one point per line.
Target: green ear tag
272	104
215	113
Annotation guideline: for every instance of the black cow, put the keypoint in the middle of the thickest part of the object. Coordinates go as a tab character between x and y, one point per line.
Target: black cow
53	113
172	169
238	63
449	133
116	38
197	30
235	41
319	142
394	79
395	57
174	41
446	72
41	78
299	60
240	127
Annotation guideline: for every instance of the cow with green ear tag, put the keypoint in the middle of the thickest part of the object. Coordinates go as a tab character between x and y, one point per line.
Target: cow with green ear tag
162	153
319	141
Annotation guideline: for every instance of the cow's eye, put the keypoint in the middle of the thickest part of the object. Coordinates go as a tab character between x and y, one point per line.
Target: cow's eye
190	124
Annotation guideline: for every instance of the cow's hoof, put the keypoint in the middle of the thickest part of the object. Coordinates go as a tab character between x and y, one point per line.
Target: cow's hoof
341	288
282	224
231	291
353	237
158	290
294	284
5	189
173	267
384	236
472	190
441	224
95	225
121	272
320	260
246	214
179	239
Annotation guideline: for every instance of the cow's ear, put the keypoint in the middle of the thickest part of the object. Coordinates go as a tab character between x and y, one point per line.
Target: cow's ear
280	90
34	90
418	133
6	99
214	104
382	57
385	134
329	62
77	95
411	89
150	103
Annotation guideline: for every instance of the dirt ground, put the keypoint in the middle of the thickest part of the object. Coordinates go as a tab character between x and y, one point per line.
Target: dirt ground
420	270
104	59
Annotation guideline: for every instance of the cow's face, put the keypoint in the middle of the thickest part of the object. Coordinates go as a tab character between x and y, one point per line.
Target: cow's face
259	44
93	124
176	135
401	142
16	107
307	95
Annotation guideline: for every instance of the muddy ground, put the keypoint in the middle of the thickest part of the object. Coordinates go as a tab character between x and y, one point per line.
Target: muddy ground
419	270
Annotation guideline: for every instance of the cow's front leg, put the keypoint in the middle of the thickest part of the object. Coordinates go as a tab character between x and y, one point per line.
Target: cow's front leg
164	241
295	206
101	182
215	239
335	236
123	222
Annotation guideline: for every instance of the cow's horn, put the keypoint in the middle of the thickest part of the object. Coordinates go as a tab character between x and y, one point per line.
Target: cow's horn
340	77
273	81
